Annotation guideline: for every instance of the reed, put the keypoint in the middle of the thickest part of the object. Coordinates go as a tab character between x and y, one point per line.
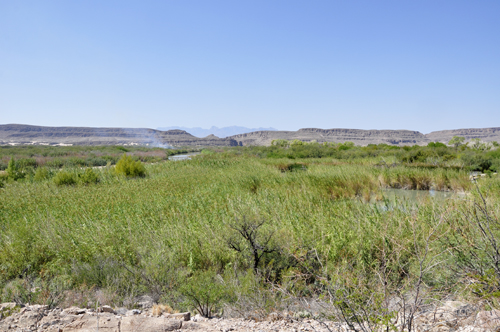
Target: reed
145	235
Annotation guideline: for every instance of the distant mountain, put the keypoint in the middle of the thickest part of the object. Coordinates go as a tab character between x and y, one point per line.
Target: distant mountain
18	134
219	132
14	134
365	137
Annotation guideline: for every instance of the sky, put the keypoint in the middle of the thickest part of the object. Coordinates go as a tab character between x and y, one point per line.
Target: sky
386	64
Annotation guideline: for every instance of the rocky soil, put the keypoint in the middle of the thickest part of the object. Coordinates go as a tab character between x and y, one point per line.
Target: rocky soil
452	316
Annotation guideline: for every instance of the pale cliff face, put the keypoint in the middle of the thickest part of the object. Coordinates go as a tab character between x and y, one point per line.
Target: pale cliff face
358	136
485	134
24	134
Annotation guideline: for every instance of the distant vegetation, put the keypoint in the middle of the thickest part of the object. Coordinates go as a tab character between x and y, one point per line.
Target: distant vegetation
81	156
474	156
251	229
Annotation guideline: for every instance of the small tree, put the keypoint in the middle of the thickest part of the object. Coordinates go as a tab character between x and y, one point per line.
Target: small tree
65	178
42	173
205	291
12	170
296	142
130	168
88	176
456	141
280	142
248	237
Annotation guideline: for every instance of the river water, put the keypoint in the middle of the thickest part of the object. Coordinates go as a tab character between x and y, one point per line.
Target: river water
183	156
410	199
418	195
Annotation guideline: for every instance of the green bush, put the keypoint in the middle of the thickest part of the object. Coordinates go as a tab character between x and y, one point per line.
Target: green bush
42	173
205	291
96	161
13	171
89	176
55	163
26	162
436	145
65	178
130	168
74	161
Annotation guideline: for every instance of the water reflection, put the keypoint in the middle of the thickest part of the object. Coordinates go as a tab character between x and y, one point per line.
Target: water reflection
417	195
407	200
183	156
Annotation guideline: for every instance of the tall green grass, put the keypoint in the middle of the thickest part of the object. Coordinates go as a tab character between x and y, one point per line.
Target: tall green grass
144	235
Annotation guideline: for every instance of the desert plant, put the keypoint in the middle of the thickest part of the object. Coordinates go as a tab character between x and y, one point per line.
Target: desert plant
42	173
456	141
13	171
65	178
89	176
128	167
248	237
475	241
205	291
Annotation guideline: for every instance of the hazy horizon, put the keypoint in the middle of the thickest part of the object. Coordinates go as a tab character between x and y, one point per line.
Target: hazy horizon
161	128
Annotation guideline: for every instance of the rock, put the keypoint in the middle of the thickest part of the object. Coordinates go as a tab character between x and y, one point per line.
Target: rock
121	311
142	323
145	302
274	316
185	316
106	308
488	319
133	312
198	318
193	326
88	323
73	311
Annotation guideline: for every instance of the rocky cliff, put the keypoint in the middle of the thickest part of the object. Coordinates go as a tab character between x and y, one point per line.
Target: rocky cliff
12	134
24	134
485	134
365	137
358	136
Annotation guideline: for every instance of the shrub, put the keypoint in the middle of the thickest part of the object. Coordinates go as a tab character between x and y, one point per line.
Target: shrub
130	168
13	171
436	145
96	161
26	162
55	163
65	178
89	176
42	173
74	161
205	291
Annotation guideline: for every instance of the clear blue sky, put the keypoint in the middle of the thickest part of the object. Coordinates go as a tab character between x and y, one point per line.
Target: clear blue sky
420	65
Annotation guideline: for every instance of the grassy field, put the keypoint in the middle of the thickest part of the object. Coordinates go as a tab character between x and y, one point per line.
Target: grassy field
248	233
